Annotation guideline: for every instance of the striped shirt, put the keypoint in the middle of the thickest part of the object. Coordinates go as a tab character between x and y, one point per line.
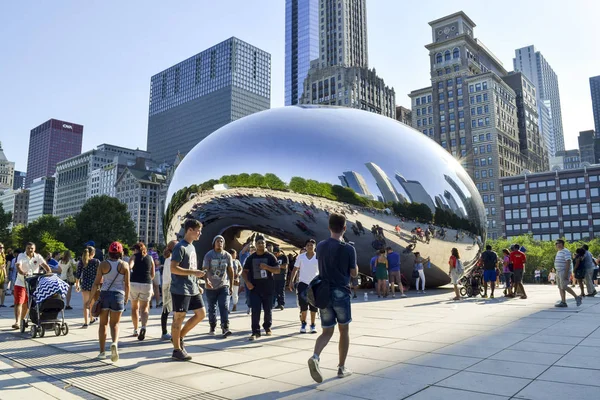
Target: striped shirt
560	261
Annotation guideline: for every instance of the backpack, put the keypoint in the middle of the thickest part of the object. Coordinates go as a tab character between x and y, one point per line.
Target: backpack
459	267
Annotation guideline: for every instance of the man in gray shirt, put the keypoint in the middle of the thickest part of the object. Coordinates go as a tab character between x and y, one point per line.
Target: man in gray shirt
218	265
185	292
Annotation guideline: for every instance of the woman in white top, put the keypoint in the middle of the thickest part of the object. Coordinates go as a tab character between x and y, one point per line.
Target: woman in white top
167	301
66	268
237	272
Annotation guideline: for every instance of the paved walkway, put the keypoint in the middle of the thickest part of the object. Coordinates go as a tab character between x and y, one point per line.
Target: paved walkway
421	347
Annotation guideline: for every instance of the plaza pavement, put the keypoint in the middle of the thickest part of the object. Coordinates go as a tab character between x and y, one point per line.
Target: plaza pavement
421	347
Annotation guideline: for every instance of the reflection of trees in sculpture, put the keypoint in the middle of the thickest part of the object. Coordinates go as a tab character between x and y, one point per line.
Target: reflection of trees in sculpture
413	211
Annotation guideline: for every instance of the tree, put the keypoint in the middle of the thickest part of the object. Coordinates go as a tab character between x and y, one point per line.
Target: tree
69	235
105	219
5	220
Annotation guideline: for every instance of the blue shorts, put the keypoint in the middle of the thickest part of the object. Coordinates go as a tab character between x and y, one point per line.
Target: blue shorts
489	275
113	301
338	310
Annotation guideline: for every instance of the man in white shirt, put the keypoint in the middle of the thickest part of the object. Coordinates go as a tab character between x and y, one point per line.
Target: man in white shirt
308	266
562	264
28	263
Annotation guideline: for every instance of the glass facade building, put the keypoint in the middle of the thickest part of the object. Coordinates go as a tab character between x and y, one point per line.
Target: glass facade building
192	99
301	45
595	91
41	198
50	143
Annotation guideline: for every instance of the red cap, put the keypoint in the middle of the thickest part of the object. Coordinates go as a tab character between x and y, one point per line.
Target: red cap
115	247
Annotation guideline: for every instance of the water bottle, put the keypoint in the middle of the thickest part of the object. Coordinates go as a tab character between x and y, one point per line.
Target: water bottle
366	297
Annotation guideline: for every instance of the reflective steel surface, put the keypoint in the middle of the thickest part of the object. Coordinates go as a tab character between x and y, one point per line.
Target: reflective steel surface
281	172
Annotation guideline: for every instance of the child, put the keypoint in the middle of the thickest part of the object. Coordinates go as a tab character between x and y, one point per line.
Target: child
552	276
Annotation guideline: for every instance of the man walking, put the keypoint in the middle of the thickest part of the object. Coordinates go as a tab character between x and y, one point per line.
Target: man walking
518	258
185	292
258	275
337	263
218	265
279	279
394	271
307	267
589	271
489	260
27	263
562	264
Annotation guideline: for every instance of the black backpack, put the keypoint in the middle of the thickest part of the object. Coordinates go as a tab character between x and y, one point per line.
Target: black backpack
318	293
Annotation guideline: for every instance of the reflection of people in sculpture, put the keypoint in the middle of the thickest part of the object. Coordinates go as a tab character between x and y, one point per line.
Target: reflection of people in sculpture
397	228
360	226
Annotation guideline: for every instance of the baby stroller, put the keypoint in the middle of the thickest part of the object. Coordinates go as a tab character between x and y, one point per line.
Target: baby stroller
46	293
472	284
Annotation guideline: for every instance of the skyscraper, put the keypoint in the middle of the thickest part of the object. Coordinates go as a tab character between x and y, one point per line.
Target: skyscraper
41	198
533	148
192	99
19	180
537	69
341	75
595	91
301	45
356	182
50	143
388	192
470	111
416	192
587	147
7	172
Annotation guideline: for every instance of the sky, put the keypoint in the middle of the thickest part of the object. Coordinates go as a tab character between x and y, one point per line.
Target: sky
90	62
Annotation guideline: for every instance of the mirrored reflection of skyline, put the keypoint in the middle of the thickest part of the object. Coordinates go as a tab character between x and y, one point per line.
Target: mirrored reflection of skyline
416	192
356	182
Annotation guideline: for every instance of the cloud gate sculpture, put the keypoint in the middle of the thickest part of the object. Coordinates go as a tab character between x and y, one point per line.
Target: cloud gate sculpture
282	171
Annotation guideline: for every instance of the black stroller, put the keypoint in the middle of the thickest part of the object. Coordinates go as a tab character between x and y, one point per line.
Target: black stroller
48	313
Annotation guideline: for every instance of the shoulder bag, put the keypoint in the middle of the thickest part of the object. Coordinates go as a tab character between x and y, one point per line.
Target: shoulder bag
97	306
318	292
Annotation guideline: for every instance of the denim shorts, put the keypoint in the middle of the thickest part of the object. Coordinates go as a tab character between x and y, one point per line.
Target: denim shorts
338	310
113	301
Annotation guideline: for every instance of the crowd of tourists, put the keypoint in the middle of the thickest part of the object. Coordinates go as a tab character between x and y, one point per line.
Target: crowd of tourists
109	283
178	285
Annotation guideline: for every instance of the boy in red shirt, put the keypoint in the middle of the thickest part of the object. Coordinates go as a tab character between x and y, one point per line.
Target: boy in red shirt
518	258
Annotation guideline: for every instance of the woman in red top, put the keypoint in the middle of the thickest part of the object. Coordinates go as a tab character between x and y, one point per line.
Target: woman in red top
454	275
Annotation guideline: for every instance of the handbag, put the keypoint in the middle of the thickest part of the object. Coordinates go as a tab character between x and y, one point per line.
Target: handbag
415	273
318	292
97	306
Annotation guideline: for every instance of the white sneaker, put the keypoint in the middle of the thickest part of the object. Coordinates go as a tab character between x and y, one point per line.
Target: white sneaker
135	333
114	352
315	371
422	292
402	295
101	356
343	372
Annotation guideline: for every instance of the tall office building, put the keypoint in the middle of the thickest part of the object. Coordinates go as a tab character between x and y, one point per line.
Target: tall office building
416	192
194	98
470	110
537	69
15	202
75	182
567	159
404	115
19	180
533	149
140	190
41	198
588	147
384	184
341	75
595	91
7	172
50	143
356	182
301	45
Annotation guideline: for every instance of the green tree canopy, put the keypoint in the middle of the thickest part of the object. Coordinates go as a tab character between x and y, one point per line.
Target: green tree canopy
105	219
5	219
